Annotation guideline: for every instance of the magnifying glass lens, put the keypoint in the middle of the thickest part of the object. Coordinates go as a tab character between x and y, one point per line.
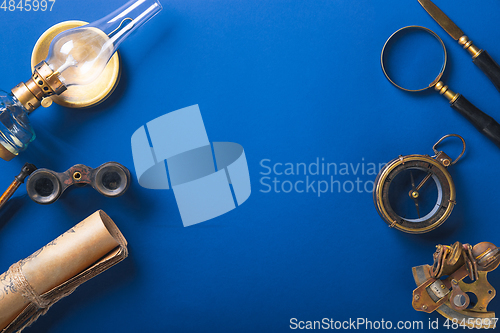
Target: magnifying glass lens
413	58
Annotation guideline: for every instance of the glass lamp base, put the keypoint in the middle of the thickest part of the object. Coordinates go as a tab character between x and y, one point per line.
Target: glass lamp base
15	129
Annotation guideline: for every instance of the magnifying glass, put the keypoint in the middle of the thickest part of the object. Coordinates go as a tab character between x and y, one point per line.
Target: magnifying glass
408	74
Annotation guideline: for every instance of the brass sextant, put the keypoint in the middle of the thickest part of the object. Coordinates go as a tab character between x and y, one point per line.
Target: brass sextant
442	288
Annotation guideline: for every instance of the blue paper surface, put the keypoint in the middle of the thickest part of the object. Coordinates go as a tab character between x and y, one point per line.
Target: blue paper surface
299	85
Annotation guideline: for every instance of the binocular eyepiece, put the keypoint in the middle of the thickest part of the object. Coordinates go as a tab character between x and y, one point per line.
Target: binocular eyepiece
46	186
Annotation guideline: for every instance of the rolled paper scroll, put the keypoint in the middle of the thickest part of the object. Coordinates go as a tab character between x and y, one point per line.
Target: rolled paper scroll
31	286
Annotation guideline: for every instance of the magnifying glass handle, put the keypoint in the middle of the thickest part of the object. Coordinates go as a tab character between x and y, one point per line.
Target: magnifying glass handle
489	67
484	123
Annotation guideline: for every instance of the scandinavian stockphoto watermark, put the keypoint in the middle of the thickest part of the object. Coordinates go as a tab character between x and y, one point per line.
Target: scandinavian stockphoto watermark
318	177
382	324
208	178
360	324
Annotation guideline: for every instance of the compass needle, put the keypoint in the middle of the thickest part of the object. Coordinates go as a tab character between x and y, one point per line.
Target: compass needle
423	181
418	210
414	193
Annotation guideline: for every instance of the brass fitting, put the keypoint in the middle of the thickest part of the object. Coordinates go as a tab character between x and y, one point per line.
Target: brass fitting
444	159
446	92
43	83
5	154
466	43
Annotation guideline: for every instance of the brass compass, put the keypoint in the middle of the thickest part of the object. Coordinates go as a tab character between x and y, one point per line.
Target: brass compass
415	193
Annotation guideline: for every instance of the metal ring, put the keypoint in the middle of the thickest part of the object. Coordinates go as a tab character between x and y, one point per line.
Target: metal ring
416	27
447	136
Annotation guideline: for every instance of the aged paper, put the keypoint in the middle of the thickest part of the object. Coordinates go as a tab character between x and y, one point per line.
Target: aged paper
73	253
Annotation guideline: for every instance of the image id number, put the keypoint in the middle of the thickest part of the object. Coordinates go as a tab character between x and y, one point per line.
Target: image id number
27	5
471	323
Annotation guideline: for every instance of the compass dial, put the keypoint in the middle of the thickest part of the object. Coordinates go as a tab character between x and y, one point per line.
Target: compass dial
414	193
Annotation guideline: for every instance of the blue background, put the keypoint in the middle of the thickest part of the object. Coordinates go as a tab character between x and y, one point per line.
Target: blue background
291	81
